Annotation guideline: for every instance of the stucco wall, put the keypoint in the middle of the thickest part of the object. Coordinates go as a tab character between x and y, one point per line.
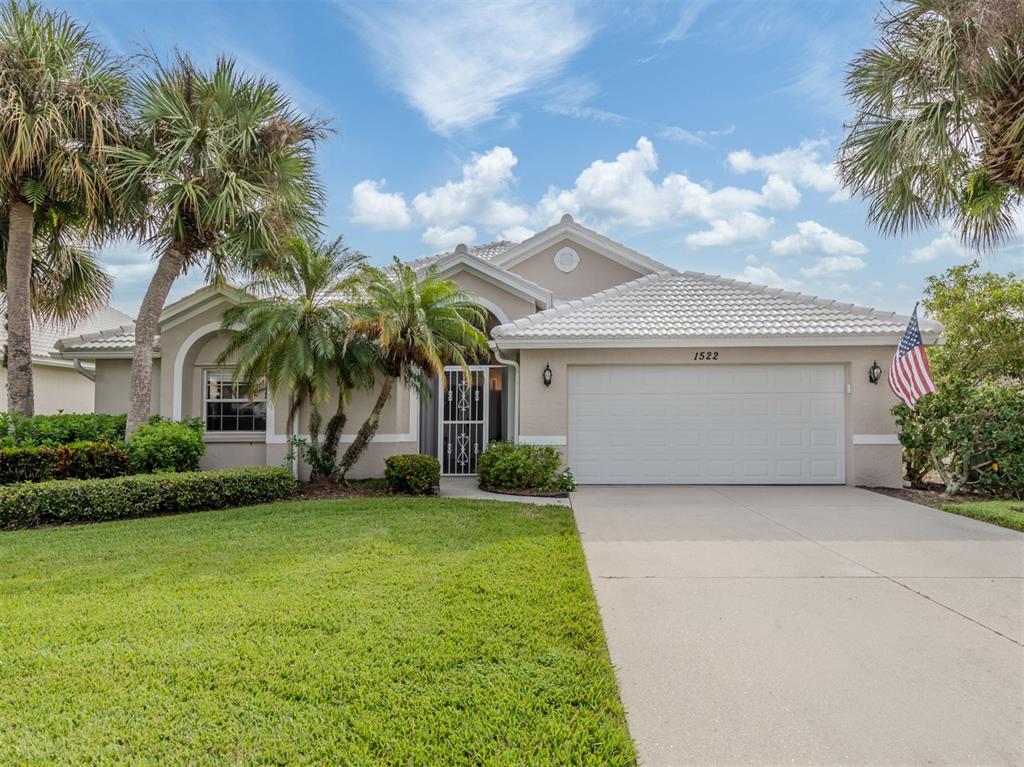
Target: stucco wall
594	272
513	306
544	411
113	377
56	389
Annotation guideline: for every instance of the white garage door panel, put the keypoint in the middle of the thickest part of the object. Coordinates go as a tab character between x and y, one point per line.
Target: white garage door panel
741	424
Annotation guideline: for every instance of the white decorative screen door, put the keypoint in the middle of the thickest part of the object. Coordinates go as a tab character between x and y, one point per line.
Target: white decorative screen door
462	435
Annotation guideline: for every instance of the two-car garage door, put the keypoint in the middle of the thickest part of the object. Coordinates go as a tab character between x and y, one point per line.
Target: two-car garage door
707	424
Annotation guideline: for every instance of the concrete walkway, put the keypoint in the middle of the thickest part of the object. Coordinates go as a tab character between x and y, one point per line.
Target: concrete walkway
808	626
467	487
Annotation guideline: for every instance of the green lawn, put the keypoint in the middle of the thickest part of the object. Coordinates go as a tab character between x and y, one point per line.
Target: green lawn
1005	513
357	632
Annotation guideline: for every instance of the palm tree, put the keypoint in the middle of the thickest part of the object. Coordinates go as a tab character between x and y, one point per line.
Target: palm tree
221	171
66	281
939	130
420	323
294	339
61	107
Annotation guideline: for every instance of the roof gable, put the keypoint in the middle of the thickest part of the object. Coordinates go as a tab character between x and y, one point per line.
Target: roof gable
461	259
568	229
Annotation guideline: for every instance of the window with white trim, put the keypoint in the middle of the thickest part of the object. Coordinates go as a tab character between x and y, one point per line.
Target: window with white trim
228	407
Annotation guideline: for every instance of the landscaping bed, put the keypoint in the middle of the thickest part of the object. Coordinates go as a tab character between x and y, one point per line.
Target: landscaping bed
1005	513
394	631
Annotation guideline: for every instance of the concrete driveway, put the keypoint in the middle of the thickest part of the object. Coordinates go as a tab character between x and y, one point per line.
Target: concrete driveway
808	626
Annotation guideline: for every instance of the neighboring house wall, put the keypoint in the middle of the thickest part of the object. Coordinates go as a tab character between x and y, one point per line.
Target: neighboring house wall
593	273
544	410
58	389
113	382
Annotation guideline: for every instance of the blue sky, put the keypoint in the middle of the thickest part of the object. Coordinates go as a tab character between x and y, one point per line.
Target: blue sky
699	133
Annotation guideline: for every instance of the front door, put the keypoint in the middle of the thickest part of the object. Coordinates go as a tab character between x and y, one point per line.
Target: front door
463	420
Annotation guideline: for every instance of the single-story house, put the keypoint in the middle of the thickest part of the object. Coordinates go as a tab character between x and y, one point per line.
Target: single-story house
58	385
635	371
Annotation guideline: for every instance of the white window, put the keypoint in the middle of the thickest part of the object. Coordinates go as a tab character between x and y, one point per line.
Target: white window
228	407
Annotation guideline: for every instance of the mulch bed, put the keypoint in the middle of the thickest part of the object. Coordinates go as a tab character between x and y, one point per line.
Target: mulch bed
526	493
928	494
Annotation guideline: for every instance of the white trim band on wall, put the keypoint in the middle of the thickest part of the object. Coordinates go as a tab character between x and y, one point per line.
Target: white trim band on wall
532	439
876	439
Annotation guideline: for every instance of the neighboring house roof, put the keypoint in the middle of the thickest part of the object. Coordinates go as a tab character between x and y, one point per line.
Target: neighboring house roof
46	335
666	306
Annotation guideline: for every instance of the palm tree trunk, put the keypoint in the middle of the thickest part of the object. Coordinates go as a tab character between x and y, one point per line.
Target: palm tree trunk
20	396
368	429
146	327
335	425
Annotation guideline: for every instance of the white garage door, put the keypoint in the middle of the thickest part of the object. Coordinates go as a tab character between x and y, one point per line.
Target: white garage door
737	424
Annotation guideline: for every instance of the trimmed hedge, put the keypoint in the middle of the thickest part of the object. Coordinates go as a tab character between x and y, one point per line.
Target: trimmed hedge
79	460
412	473
97	500
504	466
60	429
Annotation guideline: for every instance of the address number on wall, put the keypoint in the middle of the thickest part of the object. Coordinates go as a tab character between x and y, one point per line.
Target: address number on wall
705	356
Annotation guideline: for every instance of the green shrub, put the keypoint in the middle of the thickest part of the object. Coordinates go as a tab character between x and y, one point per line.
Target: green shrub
97	500
971	435
504	466
166	446
79	460
60	429
415	474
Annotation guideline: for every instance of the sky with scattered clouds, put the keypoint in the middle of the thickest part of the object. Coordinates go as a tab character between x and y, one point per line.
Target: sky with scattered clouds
700	133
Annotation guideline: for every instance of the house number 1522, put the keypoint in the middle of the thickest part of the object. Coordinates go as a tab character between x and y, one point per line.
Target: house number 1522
702	356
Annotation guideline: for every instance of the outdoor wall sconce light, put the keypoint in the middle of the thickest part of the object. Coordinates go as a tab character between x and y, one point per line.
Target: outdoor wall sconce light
875	373
546	375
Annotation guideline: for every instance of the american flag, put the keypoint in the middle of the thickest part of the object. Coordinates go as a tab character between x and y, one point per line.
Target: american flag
910	378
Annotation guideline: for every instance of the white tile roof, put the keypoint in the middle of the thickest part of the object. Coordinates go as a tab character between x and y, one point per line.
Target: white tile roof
116	339
486	252
691	304
46	335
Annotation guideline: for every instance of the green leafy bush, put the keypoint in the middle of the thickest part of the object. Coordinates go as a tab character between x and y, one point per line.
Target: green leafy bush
60	429
504	466
167	446
97	500
415	474
79	460
973	436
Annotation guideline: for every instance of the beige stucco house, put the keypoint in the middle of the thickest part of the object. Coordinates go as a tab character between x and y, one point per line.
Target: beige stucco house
59	385
636	372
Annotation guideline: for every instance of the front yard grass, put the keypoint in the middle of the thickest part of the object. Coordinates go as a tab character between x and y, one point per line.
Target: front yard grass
388	631
1004	513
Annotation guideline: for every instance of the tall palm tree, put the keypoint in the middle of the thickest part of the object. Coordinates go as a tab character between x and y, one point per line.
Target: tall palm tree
420	323
61	108
221	170
294	338
939	129
66	281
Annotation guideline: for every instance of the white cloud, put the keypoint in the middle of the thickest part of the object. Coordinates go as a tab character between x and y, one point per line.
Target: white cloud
684	21
444	239
622	192
780	193
833	265
741	228
380	210
802	165
483	177
946	246
517	233
813	238
765	275
459	63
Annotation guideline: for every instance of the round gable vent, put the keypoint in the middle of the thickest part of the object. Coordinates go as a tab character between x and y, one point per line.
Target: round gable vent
567	259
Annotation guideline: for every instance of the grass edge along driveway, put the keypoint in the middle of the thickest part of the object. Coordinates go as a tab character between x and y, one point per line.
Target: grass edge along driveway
1003	513
357	632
